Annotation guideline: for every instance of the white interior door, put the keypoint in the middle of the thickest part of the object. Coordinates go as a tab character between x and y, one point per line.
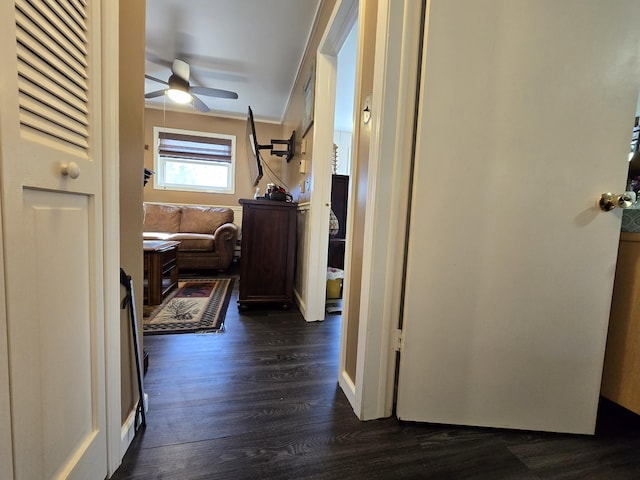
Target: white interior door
526	112
50	117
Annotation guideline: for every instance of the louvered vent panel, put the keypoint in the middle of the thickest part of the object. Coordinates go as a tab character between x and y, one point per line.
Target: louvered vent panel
53	69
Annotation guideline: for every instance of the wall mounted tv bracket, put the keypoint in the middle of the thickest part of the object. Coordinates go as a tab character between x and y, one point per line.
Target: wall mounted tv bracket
288	153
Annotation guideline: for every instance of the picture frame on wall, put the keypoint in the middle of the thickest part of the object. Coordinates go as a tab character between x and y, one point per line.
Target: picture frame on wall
309	92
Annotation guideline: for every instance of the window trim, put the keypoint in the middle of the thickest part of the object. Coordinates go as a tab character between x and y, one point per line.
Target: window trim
159	181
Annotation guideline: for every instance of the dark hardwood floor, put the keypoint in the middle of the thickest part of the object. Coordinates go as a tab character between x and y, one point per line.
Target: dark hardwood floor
261	401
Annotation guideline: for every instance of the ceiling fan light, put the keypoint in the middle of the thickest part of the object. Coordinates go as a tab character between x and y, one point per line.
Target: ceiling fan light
179	96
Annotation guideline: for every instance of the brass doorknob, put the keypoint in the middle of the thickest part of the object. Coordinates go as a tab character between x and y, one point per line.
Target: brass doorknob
609	201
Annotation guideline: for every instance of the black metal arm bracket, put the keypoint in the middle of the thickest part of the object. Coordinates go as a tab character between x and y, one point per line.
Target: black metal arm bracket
288	153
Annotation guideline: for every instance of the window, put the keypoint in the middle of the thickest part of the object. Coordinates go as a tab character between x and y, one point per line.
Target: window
194	161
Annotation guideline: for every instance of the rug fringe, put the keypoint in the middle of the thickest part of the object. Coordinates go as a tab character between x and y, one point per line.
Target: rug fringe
212	331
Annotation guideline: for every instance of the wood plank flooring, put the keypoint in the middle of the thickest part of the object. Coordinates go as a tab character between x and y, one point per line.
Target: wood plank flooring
261	401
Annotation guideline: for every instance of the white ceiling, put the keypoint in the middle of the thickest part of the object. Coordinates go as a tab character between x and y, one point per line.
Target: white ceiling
252	47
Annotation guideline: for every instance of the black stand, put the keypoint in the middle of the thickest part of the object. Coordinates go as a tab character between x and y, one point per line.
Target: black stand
125	280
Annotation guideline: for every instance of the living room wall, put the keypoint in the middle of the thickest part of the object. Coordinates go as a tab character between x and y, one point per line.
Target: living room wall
295	110
292	120
200	122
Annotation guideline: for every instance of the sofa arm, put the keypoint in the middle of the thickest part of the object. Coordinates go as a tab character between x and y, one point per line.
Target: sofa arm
225	238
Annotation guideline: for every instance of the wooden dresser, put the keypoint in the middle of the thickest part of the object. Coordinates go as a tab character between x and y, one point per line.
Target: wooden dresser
268	251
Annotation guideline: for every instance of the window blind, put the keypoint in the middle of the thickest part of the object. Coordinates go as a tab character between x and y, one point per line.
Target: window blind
194	147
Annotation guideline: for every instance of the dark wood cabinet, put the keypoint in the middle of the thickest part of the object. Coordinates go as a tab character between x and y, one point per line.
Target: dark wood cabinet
339	201
267	255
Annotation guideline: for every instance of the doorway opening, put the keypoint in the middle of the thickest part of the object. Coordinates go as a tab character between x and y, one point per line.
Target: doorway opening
341	169
343	19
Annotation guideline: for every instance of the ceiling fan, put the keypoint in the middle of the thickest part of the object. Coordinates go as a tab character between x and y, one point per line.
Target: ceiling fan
181	92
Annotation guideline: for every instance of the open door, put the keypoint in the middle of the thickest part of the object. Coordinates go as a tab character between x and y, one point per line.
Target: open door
525	117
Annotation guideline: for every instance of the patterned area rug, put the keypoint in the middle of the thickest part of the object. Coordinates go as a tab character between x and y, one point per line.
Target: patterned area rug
198	305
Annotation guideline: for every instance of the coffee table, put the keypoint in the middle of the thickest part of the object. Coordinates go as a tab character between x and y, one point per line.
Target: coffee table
160	269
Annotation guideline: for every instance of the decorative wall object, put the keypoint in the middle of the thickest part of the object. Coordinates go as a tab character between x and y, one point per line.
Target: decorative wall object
147	175
334	159
309	93
334	224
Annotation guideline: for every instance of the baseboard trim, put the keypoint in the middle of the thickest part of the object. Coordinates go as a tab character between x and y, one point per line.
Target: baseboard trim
349	389
127	433
128	430
301	305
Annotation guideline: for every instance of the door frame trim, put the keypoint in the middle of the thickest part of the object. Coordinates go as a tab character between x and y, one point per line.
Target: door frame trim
6	444
393	99
111	231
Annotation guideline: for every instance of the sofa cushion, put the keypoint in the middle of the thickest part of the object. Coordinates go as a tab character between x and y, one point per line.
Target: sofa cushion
193	242
161	218
199	219
156	236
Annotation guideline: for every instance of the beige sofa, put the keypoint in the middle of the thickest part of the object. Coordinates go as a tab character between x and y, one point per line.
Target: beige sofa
207	234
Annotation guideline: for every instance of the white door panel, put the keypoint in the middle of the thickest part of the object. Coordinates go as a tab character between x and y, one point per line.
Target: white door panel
526	112
49	117
56	369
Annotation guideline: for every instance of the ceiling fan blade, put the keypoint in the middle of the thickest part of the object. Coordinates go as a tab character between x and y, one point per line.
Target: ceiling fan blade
155	79
181	69
214	92
199	104
157	93
157	60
